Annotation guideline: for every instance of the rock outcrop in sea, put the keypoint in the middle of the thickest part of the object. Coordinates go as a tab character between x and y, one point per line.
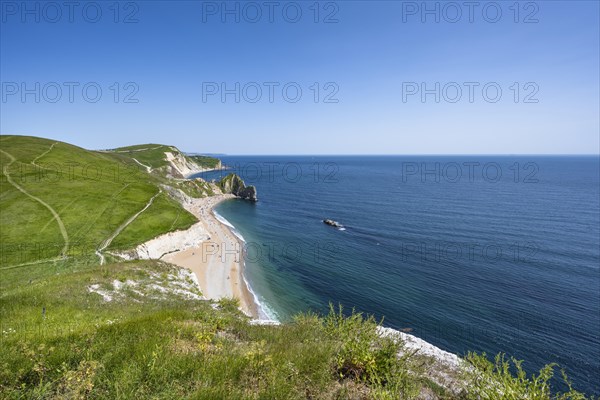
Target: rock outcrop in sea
333	223
235	185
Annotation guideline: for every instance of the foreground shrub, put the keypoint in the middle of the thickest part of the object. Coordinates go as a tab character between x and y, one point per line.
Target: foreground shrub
365	356
496	381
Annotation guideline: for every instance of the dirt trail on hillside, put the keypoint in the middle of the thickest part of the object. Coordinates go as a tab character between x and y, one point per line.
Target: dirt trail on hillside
61	226
43	154
120	229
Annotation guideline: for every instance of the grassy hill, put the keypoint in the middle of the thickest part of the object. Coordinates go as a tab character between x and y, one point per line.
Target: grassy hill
56	199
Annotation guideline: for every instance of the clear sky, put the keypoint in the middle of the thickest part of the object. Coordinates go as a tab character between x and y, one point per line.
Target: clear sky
376	59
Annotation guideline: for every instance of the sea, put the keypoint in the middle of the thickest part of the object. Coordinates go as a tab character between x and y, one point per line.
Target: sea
470	253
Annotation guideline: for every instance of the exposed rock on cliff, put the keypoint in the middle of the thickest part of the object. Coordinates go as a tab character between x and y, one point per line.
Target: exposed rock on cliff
181	166
166	160
235	185
167	243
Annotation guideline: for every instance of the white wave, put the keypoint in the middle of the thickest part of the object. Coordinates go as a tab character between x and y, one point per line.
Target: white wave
222	220
265	312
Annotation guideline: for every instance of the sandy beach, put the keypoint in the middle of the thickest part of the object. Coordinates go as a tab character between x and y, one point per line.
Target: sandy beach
218	261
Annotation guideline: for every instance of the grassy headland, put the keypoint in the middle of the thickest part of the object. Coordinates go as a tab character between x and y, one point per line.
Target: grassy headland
57	198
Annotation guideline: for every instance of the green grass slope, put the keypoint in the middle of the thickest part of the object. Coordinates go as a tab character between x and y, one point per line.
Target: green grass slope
207	161
107	332
139	330
56	199
164	215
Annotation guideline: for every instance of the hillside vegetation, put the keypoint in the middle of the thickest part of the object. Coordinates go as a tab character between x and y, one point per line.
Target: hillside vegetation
140	330
56	199
73	328
207	162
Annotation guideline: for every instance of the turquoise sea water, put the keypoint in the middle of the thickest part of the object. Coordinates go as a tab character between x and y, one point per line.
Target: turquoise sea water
469	253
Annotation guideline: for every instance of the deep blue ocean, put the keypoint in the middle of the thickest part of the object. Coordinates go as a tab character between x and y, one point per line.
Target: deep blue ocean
471	253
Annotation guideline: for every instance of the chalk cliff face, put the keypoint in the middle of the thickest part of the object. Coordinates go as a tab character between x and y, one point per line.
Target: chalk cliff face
181	166
156	248
235	185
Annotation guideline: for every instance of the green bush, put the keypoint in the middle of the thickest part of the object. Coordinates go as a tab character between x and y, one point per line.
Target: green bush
496	381
366	356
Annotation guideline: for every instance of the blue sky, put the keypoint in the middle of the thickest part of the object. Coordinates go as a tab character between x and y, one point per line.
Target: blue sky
377	58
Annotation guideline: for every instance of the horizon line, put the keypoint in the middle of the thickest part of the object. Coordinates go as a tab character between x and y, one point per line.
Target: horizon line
394	154
216	154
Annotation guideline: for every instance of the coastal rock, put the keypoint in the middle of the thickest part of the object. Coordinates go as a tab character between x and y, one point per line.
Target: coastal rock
333	223
248	193
235	185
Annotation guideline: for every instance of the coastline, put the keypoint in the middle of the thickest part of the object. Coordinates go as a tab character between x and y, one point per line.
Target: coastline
214	252
217	261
